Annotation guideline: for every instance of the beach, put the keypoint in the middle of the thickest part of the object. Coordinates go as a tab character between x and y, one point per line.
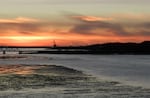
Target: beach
58	81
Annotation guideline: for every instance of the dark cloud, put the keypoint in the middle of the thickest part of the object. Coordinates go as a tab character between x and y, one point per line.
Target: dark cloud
86	27
145	25
144	32
24	32
24	28
143	29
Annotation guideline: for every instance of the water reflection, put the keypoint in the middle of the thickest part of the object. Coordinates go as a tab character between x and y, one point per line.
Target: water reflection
17	69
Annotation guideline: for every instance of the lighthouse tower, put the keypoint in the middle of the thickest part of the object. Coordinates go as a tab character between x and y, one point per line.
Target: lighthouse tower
54	44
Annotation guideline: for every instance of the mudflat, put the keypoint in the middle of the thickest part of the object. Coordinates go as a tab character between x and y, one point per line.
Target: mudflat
53	81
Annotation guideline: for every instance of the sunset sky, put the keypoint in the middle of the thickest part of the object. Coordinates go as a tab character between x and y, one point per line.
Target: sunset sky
73	22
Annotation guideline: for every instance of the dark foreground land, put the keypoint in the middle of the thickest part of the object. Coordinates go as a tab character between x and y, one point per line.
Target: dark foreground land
52	81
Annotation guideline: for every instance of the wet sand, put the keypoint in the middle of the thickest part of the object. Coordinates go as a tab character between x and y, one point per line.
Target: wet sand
11	57
53	81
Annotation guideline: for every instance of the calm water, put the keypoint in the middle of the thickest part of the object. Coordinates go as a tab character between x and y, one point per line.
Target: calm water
128	69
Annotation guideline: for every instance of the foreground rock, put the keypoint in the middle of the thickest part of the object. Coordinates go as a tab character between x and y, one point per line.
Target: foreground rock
51	81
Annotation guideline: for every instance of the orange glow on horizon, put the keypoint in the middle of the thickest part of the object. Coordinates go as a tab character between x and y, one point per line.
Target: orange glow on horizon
64	40
26	38
74	30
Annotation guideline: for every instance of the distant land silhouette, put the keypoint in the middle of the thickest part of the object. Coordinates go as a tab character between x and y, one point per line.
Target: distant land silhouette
107	48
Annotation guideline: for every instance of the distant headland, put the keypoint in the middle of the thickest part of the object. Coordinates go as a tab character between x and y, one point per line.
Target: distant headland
106	48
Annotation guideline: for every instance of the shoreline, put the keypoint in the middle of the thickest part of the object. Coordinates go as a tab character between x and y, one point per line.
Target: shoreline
49	81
